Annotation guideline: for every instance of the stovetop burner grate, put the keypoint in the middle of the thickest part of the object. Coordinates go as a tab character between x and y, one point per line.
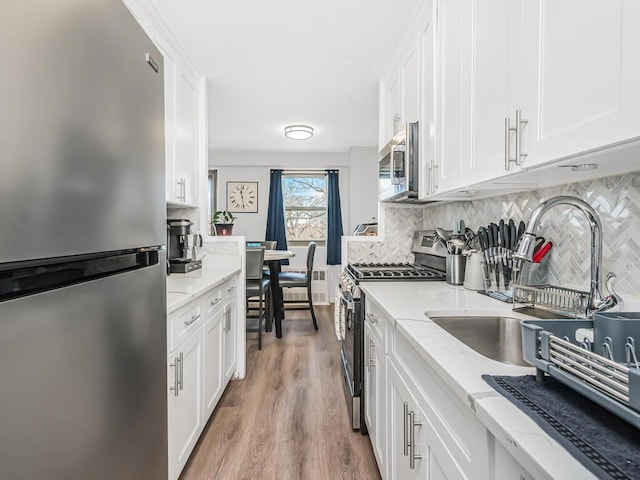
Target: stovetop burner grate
393	271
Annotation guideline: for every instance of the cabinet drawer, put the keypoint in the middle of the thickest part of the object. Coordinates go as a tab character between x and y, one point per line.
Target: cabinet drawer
212	302
183	322
377	319
230	288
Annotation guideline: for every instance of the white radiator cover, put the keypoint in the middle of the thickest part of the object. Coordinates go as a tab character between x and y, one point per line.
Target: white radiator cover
319	286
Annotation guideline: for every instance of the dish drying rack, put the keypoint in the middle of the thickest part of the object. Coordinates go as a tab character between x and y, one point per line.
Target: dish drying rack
564	301
597	358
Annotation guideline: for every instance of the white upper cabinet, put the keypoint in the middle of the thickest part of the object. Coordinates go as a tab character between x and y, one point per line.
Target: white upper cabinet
186	159
448	158
410	74
581	76
507	86
399	101
394	105
170	81
492	66
426	38
185	125
548	80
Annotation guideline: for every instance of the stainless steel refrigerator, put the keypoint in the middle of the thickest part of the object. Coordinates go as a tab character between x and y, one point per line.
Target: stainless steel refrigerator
82	234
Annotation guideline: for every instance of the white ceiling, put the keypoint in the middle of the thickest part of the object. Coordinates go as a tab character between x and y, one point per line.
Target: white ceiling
280	62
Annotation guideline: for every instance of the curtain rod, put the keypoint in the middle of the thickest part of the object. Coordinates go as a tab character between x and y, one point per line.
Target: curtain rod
315	171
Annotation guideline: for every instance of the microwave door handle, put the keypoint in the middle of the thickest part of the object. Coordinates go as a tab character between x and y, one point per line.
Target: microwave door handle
397	167
394	154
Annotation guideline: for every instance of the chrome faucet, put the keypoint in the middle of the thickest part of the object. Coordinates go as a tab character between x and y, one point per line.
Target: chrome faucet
527	245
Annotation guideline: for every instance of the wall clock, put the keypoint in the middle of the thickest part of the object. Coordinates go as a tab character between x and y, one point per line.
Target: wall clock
242	197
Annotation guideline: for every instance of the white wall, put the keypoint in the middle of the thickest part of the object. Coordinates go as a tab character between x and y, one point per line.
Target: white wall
358	188
358	181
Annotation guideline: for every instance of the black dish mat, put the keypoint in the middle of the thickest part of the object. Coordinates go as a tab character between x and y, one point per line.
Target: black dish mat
606	445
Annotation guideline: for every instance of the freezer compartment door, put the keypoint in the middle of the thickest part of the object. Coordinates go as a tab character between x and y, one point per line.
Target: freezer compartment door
83	380
81	129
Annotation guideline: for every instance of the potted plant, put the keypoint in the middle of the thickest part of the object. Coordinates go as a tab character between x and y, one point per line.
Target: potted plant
222	222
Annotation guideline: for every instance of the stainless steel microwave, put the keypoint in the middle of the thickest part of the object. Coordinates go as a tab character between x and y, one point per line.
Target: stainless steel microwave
398	166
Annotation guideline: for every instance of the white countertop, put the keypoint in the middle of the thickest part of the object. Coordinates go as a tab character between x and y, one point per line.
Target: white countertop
461	368
184	287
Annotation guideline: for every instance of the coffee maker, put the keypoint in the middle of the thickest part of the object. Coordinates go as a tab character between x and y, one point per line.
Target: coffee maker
181	246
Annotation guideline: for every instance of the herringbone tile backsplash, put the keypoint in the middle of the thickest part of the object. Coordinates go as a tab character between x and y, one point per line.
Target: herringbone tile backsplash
616	199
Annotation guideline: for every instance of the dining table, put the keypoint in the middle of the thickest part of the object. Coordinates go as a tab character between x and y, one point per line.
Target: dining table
272	258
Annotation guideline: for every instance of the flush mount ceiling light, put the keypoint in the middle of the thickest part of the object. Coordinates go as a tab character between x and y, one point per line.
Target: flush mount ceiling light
298	132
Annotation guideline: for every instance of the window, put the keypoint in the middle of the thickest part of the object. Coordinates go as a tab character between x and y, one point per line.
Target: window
212	188
305	207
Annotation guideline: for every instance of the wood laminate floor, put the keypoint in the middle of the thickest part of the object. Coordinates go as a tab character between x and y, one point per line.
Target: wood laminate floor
287	419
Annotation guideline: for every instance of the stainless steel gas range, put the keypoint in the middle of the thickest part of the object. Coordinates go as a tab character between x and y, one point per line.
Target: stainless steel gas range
429	265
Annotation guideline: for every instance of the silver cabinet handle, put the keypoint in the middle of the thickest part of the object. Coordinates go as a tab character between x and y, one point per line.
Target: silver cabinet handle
372	317
176	374
215	302
227	319
507	136
193	319
519	123
181	381
405	437
372	358
367	352
182	189
412	440
231	289
435	178
507	140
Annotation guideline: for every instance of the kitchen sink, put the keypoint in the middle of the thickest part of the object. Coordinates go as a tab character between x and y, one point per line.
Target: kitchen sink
495	337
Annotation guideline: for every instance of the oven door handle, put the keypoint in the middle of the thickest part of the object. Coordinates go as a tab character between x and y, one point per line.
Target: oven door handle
347	300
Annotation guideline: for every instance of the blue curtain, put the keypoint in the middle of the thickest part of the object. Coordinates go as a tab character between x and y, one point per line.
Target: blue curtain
334	220
275	215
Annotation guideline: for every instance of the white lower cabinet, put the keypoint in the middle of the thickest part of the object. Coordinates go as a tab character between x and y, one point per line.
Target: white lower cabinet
418	426
230	334
375	393
199	366
213	348
505	466
416	450
185	420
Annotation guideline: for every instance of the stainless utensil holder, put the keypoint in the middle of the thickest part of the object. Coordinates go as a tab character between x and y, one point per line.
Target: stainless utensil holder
455	269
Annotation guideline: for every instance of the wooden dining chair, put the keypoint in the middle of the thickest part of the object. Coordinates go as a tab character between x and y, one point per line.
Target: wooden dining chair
301	280
257	287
